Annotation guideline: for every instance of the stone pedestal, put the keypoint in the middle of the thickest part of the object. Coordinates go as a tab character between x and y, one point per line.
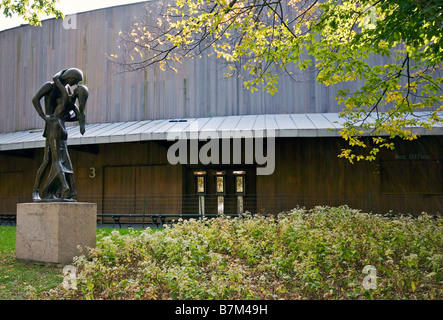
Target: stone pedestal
51	232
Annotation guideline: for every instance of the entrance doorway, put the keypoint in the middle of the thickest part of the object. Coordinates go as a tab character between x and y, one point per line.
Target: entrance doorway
216	191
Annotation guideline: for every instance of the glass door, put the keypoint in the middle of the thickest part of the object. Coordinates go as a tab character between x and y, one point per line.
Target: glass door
214	192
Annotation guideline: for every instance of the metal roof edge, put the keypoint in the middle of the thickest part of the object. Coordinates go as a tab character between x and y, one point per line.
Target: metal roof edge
259	126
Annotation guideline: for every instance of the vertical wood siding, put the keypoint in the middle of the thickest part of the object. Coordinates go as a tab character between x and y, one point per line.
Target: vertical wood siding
29	56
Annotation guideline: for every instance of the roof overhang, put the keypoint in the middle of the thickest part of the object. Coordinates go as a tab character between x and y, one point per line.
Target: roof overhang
264	125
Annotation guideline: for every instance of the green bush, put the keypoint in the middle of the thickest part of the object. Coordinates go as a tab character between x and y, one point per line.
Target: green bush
301	254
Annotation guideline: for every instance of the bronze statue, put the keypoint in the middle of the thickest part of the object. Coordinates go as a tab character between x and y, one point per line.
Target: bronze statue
59	107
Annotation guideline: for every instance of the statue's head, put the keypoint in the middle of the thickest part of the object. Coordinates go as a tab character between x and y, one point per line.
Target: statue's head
72	76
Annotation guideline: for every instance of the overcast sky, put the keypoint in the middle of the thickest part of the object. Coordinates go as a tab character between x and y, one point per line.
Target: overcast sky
67	7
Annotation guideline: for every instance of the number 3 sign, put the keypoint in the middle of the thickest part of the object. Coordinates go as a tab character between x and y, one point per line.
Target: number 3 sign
92	173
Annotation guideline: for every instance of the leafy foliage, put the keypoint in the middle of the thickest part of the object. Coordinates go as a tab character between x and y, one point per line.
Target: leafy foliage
410	33
340	38
31	11
316	254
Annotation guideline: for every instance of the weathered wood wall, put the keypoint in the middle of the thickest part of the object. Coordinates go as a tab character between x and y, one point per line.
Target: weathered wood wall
309	173
117	177
136	177
29	56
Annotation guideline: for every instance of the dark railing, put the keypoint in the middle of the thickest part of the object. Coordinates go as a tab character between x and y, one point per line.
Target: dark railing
266	204
160	209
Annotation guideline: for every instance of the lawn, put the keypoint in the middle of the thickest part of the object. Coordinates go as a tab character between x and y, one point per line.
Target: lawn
21	280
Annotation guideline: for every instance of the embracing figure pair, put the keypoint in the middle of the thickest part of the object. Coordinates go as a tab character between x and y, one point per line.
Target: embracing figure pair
60	96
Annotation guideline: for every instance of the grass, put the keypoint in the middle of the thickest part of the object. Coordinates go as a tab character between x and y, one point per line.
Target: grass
21	280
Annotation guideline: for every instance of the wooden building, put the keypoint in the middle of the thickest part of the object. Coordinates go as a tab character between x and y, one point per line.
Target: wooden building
122	161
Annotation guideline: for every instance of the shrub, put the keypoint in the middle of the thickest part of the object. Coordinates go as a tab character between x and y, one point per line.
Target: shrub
301	254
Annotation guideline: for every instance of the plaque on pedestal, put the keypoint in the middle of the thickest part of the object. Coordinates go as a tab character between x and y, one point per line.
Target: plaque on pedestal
52	232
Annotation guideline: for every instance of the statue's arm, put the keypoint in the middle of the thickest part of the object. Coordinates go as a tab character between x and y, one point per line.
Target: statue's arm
83	97
82	94
74	108
77	114
80	117
61	87
43	91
